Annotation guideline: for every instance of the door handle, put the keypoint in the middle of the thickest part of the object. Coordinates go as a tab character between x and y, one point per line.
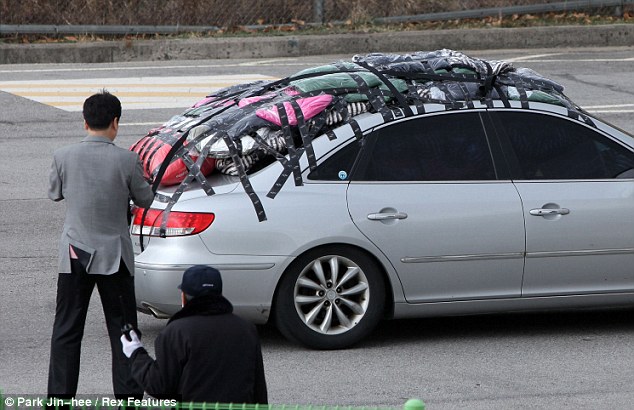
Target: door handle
384	216
546	212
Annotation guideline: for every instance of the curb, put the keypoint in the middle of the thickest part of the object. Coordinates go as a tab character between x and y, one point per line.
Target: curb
294	46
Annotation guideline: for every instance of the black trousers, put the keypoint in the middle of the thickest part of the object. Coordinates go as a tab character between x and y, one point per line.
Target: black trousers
73	297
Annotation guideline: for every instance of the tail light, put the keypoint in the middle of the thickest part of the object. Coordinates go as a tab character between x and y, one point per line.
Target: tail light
178	223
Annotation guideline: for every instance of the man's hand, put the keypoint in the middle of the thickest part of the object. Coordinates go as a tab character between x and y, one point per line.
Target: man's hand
129	346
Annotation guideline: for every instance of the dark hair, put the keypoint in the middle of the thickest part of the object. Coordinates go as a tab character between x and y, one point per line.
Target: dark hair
101	109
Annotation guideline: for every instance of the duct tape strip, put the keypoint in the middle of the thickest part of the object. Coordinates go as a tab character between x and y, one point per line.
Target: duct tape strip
430	75
395	93
342	107
136	144
239	91
196	172
304	134
140	144
177	147
466	96
415	98
451	103
316	124
294	153
523	95
502	95
151	151
337	113
161	198
579	116
244	179
268	149
356	129
289	168
376	100
519	85
193	174
148	144
172	201
487	86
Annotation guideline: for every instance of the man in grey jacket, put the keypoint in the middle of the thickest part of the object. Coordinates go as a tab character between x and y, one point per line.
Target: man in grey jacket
96	179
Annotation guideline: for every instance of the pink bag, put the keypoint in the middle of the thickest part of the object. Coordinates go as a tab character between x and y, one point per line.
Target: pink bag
310	107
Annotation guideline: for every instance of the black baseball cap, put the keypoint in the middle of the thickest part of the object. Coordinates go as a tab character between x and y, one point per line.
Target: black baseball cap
201	280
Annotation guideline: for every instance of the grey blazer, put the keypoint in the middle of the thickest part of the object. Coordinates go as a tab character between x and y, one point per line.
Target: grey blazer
97	179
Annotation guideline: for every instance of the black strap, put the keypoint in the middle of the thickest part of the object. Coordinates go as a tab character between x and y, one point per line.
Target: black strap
294	153
244	179
304	134
395	93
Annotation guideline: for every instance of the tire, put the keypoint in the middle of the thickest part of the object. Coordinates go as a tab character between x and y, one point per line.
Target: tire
330	298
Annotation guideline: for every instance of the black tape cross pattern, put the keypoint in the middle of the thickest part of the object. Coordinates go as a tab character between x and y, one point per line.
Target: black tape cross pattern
294	154
487	86
379	98
304	134
244	179
376	99
395	93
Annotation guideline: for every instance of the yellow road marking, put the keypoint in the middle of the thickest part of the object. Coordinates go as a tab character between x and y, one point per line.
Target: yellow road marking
134	92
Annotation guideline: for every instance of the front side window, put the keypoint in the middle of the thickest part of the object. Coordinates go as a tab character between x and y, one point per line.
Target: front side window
447	147
548	147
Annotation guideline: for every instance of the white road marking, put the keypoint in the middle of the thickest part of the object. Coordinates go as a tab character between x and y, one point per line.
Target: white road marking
134	92
589	107
610	111
530	57
584	60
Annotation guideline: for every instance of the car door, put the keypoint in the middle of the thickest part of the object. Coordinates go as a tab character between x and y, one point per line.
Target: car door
426	192
577	190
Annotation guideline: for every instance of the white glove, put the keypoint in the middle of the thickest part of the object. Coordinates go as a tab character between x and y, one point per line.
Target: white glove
129	346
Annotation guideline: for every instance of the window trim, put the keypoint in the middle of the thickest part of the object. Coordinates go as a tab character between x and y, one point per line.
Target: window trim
500	168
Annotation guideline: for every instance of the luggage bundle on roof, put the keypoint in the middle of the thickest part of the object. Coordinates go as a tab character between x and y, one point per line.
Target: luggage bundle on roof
235	128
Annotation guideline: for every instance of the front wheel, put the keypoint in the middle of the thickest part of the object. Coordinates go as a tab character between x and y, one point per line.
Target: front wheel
330	298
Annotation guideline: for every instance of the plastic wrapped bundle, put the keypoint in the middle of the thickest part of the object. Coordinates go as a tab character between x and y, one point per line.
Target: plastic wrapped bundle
235	128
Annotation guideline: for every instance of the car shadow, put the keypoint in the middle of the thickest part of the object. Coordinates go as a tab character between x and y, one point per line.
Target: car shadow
535	324
581	322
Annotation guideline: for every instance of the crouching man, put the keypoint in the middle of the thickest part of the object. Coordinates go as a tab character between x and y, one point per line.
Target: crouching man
205	353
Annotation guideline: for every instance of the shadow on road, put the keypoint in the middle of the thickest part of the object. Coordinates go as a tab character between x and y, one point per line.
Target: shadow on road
579	323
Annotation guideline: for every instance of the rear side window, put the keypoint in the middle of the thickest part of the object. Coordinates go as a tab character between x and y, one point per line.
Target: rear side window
448	147
337	167
549	147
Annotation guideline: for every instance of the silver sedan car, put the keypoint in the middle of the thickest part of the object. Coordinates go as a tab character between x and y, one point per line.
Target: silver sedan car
496	208
391	186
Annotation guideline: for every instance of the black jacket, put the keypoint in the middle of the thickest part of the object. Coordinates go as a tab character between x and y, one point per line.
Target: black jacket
204	354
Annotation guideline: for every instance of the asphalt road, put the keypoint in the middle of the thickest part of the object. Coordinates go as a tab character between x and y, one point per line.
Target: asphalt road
546	360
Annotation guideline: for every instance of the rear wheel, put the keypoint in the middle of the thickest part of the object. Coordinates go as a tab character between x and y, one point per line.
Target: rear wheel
330	298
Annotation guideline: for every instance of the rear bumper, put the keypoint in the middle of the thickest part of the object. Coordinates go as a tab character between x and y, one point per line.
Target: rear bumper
249	285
